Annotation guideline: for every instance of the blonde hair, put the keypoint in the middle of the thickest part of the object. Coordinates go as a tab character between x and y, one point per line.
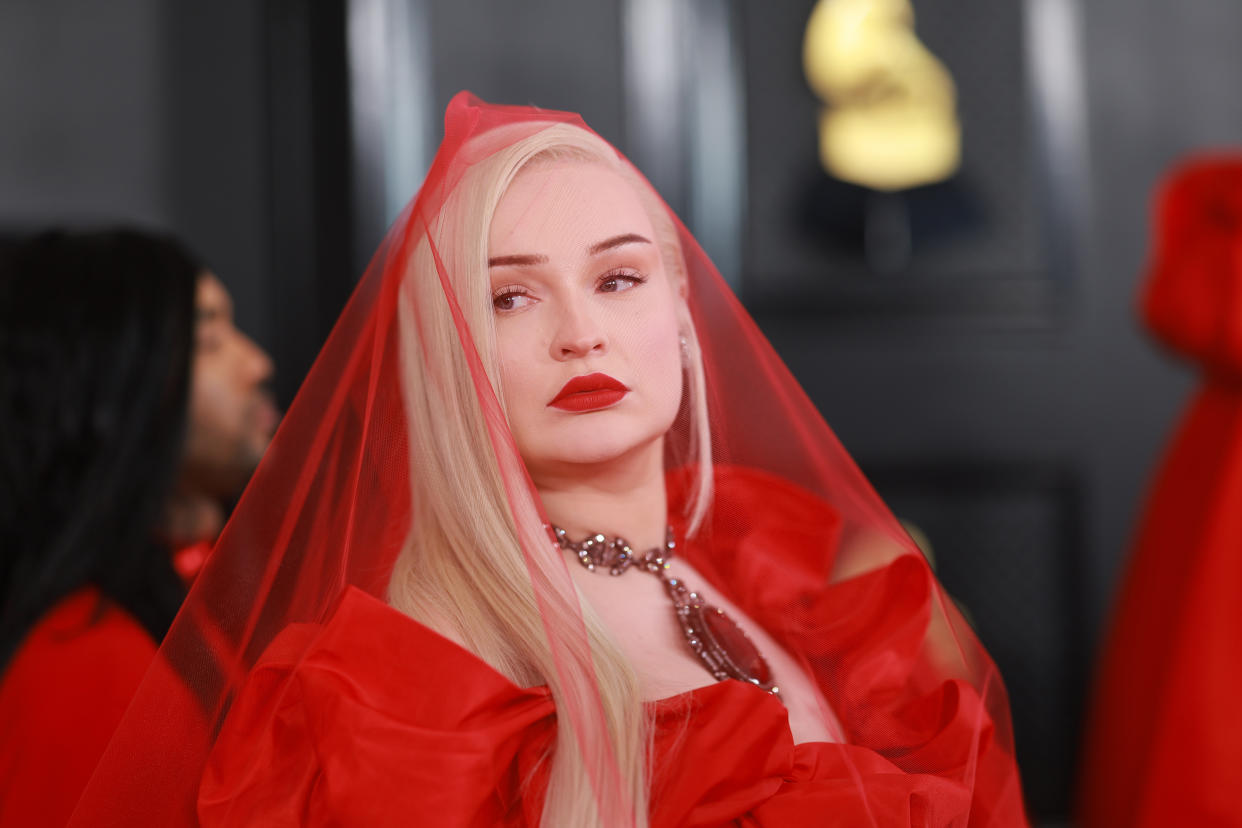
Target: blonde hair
463	570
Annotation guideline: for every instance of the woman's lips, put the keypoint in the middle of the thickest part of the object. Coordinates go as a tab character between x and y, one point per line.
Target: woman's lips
589	393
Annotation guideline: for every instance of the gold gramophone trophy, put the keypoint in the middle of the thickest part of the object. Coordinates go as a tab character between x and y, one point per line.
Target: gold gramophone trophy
889	120
890	115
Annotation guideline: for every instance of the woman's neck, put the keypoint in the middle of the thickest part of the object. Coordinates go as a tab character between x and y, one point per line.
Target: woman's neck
623	497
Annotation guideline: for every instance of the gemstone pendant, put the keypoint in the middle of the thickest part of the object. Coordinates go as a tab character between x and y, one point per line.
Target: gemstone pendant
720	643
723	646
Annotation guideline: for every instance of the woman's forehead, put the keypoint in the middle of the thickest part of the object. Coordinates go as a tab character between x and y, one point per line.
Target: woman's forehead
565	203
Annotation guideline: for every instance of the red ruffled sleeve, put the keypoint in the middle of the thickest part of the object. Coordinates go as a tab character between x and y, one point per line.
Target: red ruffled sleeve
371	719
923	745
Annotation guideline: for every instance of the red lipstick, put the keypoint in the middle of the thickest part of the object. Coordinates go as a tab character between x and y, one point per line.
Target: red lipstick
589	393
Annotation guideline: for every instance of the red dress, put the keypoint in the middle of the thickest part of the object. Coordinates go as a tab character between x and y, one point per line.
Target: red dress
1164	739
61	698
373	719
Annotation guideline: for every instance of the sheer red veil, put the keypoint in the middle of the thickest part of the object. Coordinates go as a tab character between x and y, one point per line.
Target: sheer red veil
336	504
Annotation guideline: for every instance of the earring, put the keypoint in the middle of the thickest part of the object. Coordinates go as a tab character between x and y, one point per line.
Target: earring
685	346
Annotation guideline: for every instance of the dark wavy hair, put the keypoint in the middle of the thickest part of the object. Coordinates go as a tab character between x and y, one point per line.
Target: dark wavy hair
96	335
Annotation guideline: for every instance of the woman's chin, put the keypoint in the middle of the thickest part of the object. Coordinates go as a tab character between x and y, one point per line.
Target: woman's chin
590	453
584	444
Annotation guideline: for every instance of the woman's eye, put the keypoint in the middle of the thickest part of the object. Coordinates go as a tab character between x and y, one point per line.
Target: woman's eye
617	282
510	299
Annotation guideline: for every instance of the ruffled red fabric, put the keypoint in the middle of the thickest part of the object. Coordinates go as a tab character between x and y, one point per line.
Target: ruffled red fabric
61	698
1164	735
336	725
371	718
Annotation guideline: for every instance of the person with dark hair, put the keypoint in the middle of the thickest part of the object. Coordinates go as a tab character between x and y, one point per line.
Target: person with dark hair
231	418
121	378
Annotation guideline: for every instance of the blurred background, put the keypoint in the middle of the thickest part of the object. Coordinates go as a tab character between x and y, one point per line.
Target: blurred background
968	328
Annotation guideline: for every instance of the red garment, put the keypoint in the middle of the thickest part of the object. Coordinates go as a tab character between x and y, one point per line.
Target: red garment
61	698
1164	738
373	719
396	472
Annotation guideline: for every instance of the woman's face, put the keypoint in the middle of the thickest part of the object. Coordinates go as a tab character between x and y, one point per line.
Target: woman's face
586	319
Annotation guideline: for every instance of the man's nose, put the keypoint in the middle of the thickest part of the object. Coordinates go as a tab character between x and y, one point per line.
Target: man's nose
259	365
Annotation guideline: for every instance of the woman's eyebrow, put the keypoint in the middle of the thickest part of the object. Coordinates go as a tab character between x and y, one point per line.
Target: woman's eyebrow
528	259
517	261
617	241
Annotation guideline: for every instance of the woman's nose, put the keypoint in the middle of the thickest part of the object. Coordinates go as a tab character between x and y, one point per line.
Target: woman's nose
578	334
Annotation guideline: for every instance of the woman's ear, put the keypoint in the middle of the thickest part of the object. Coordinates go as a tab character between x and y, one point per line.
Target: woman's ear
683	309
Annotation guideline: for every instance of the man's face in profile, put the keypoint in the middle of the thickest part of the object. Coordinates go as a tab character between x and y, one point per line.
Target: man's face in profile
231	414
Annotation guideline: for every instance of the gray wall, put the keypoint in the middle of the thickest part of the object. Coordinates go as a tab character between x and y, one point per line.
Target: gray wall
141	111
160	113
82	96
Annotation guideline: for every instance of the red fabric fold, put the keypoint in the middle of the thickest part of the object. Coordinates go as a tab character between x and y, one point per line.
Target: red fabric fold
414	467
1163	742
373	719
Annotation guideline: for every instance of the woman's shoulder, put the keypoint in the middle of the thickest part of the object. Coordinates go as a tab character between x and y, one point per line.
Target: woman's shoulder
368	661
748	502
742	487
762	529
364	639
367	702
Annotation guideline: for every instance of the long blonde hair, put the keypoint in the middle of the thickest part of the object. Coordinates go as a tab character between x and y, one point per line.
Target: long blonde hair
463	571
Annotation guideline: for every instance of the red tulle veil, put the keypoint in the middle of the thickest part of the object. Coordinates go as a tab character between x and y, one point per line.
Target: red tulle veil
332	507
